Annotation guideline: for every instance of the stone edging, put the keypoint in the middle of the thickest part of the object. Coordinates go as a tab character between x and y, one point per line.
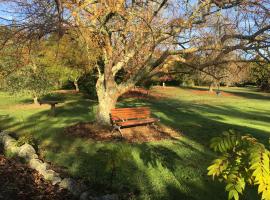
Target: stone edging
28	153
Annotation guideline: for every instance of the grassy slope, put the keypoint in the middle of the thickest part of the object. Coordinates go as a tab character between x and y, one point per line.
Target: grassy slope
156	170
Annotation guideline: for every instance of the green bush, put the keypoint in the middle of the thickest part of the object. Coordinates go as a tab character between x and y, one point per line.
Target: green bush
53	97
29	139
242	160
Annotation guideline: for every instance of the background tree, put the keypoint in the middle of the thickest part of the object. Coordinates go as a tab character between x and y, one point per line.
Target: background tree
260	74
30	80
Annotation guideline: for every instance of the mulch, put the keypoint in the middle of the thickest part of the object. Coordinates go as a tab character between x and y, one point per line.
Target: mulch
141	93
137	134
19	182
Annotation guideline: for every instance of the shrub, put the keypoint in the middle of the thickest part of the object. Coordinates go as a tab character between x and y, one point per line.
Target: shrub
29	139
242	160
53	97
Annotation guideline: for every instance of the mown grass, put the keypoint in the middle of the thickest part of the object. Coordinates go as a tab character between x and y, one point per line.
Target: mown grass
171	169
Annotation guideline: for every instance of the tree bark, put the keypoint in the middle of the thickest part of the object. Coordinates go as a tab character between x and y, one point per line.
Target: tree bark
108	93
107	98
106	102
76	86
35	100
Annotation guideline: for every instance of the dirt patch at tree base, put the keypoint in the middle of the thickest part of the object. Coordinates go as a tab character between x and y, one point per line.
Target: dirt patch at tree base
18	181
141	93
138	134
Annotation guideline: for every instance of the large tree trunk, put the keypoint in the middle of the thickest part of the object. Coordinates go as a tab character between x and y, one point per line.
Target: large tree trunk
107	98
108	92
76	86
106	102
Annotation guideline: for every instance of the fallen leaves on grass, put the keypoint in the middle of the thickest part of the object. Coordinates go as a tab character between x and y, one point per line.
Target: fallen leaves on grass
18	181
139	134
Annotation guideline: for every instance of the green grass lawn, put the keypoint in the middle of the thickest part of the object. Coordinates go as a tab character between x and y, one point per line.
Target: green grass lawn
171	169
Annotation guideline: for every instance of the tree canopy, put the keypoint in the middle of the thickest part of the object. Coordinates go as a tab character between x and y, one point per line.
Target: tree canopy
139	39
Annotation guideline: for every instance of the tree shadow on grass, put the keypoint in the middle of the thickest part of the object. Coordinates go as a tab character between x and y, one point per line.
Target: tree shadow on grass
148	170
251	95
159	170
201	122
6	121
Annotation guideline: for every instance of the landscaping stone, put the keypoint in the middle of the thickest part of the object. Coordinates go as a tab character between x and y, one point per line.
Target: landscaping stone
75	188
14	149
28	152
41	167
37	164
2	134
85	196
67	183
56	180
49	174
8	141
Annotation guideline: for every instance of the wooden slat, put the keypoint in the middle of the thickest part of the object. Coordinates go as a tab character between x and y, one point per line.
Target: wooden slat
136	122
135	112
130	113
131	110
127	109
130	116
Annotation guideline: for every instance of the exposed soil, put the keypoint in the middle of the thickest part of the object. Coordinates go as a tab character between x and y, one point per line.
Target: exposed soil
138	134
29	106
18	181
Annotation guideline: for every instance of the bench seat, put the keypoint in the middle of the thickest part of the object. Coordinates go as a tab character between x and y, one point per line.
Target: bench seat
136	122
124	117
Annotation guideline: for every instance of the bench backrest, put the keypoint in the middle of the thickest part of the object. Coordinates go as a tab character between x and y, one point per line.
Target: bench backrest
130	113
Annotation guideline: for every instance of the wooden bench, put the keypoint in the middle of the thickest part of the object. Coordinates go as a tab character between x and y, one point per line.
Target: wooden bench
52	104
124	117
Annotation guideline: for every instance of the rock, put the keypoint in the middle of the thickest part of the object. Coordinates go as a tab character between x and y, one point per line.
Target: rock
85	195
109	197
27	152
8	141
49	174
2	134
13	149
38	165
55	180
71	185
41	167
67	183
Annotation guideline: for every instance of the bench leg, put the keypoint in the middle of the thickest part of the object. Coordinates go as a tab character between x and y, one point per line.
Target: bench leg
115	127
154	126
52	111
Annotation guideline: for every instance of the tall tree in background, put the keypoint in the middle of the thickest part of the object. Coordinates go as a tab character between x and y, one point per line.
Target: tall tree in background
138	38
